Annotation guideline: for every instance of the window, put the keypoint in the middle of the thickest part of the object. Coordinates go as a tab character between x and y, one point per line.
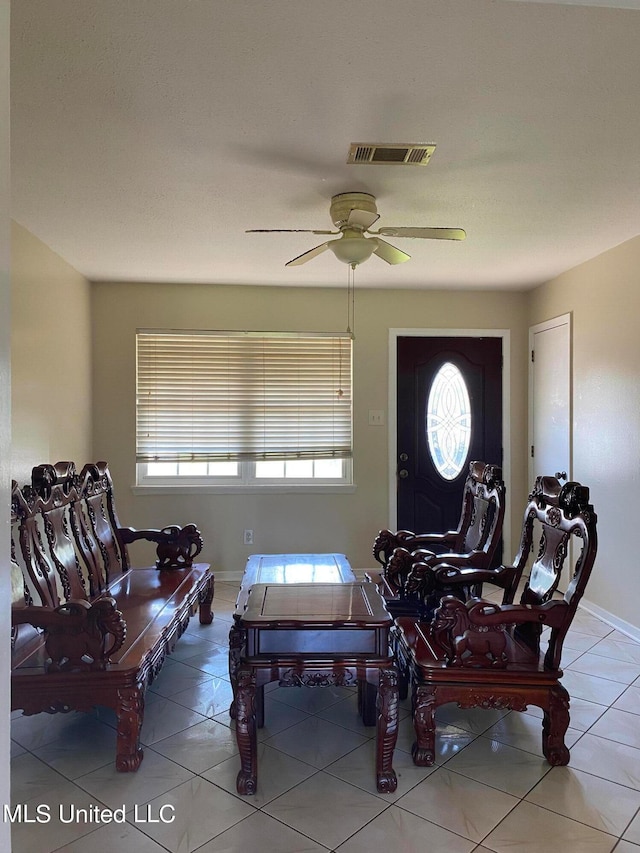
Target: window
243	408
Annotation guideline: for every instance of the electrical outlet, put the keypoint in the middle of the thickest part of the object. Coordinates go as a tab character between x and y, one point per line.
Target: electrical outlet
248	537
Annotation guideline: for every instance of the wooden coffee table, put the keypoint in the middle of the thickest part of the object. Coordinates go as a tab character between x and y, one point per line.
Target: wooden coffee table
315	635
286	569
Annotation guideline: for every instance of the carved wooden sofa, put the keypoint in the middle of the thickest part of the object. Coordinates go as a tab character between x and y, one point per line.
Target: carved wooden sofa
482	654
87	628
411	582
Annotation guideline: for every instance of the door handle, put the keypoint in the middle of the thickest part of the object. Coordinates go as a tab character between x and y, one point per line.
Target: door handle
403	473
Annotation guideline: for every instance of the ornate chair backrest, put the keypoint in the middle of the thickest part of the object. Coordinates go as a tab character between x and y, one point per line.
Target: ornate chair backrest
24	591
562	513
23	588
469	525
96	489
46	534
485	505
480	523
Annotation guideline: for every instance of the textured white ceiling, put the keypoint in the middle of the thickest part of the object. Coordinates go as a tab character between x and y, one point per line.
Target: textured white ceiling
148	135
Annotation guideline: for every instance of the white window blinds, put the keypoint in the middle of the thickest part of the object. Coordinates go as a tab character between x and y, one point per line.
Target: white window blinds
242	395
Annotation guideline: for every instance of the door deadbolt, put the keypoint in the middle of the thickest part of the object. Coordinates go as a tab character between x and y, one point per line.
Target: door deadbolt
404	457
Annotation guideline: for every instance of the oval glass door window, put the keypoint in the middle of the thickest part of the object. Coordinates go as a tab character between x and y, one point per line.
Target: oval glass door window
448	421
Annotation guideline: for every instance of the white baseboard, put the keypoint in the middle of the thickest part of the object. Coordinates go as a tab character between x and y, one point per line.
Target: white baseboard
627	628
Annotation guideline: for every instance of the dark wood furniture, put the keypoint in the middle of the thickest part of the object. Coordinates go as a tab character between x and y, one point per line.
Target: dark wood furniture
481	654
279	568
410	581
87	628
316	635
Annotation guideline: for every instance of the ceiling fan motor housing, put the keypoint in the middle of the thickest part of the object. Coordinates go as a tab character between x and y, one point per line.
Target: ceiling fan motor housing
343	203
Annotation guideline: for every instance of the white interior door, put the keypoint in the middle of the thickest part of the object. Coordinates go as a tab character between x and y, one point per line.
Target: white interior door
550	400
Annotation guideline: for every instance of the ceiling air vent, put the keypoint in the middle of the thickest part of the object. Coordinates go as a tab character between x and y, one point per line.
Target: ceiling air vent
396	154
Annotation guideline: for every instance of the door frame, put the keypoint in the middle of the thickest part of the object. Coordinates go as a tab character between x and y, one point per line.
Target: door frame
505	334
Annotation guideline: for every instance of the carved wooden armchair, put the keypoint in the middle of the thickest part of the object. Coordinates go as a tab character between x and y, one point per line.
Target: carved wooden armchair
481	654
409	582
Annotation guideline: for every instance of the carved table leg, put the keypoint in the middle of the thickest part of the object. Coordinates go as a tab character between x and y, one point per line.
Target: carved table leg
205	600
554	726
424	706
130	713
247	779
236	643
387	732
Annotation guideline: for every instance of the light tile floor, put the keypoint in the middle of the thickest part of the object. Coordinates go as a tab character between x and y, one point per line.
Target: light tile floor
490	789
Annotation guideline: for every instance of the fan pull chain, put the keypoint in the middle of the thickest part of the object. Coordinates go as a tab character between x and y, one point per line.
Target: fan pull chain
351	301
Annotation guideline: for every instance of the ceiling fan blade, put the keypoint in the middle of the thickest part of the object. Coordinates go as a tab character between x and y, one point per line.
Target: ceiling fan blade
286	231
362	219
425	233
389	253
308	256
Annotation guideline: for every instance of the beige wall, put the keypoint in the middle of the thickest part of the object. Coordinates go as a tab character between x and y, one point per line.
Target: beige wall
285	522
603	296
50	355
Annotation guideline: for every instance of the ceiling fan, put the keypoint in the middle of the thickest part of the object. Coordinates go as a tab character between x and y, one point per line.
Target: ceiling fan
353	214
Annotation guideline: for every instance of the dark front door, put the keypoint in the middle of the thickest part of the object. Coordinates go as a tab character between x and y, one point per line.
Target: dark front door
449	413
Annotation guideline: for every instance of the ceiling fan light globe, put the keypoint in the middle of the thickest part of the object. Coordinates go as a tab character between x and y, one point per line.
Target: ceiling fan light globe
353	251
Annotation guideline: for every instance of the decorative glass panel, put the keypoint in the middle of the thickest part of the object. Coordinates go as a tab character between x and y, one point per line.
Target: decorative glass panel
449	421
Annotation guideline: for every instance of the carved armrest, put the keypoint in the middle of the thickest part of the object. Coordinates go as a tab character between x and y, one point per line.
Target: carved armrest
475	633
401	564
446	574
484	613
79	635
387	541
421	577
176	546
424	539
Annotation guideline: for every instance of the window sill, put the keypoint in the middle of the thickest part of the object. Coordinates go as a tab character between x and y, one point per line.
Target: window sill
245	489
